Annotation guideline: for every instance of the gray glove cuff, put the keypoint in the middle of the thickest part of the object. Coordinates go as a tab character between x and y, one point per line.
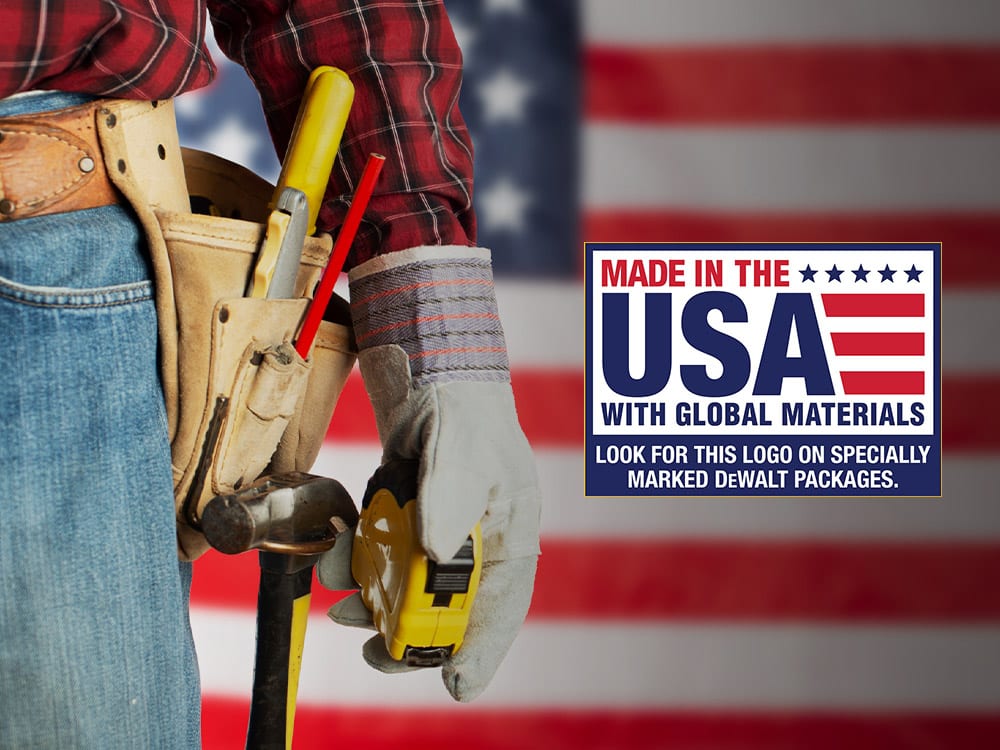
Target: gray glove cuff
438	305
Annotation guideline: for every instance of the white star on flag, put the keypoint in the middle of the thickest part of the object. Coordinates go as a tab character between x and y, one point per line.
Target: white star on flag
502	205
500	6
232	140
504	97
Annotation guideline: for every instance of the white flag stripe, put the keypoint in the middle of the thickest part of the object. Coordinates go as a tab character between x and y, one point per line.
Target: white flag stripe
659	665
963	315
785	170
689	22
968	510
544	324
892	325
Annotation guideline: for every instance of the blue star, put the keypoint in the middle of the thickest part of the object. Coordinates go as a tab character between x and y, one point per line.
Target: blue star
808	273
887	273
834	273
913	274
860	274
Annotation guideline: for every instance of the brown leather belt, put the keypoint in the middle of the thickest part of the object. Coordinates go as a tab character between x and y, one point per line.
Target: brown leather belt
51	162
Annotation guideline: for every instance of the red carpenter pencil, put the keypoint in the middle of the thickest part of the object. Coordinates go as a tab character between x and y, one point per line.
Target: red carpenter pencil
314	314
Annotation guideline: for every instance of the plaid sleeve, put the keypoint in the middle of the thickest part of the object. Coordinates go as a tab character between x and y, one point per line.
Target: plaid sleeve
406	68
131	49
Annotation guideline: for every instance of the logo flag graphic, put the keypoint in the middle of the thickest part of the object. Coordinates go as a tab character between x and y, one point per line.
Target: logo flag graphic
763	370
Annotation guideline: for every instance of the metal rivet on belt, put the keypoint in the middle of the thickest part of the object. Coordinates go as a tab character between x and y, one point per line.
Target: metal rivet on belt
111	120
121	166
6	206
86	164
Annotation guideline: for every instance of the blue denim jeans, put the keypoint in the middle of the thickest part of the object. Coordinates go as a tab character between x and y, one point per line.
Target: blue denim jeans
95	642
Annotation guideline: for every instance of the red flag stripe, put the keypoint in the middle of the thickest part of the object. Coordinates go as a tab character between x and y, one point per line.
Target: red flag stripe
734	580
778	84
970	413
550	405
563	729
718	579
873	305
969	241
878	344
882	383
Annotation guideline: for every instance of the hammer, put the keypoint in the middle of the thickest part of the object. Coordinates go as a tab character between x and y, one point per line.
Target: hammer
292	519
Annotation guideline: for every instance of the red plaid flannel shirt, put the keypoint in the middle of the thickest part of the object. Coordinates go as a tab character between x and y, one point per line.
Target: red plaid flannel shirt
401	56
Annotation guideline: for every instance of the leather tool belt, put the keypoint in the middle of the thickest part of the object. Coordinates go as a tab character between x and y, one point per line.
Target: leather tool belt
51	163
240	401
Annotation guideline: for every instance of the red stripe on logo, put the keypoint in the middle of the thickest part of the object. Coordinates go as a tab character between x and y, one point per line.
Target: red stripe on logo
882	383
878	344
873	305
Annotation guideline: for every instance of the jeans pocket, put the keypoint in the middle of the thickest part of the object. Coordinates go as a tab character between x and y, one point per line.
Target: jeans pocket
89	252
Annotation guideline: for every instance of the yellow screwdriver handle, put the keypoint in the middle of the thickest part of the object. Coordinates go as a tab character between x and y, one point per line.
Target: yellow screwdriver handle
316	136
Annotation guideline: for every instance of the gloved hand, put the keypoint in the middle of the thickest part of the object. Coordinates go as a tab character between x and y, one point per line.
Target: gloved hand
434	361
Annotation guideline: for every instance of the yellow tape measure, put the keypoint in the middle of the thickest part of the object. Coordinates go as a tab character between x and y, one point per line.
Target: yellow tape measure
420	606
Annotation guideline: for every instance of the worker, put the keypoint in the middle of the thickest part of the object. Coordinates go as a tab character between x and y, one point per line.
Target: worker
95	642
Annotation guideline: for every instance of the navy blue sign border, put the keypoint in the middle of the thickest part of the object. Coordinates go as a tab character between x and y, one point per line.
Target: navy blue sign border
612	479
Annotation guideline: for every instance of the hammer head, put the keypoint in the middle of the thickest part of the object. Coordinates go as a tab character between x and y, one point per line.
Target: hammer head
294	513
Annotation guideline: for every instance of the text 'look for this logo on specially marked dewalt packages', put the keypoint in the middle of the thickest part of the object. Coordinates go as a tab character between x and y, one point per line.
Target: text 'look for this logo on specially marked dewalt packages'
752	370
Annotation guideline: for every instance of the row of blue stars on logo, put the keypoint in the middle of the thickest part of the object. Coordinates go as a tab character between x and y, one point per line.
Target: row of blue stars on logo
860	273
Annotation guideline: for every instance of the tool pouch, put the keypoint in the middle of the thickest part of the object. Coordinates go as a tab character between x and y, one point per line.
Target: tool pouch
239	398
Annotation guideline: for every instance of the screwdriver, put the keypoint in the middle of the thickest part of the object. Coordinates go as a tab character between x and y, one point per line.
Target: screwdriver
305	172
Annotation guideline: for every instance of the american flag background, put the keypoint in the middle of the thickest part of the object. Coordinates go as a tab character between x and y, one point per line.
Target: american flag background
693	623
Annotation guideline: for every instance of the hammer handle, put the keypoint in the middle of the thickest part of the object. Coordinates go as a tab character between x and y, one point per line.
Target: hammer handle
282	609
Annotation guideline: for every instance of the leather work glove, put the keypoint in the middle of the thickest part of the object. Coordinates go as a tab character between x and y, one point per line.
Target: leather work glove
434	361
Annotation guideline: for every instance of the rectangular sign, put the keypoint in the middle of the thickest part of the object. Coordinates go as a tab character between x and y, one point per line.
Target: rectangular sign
758	369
